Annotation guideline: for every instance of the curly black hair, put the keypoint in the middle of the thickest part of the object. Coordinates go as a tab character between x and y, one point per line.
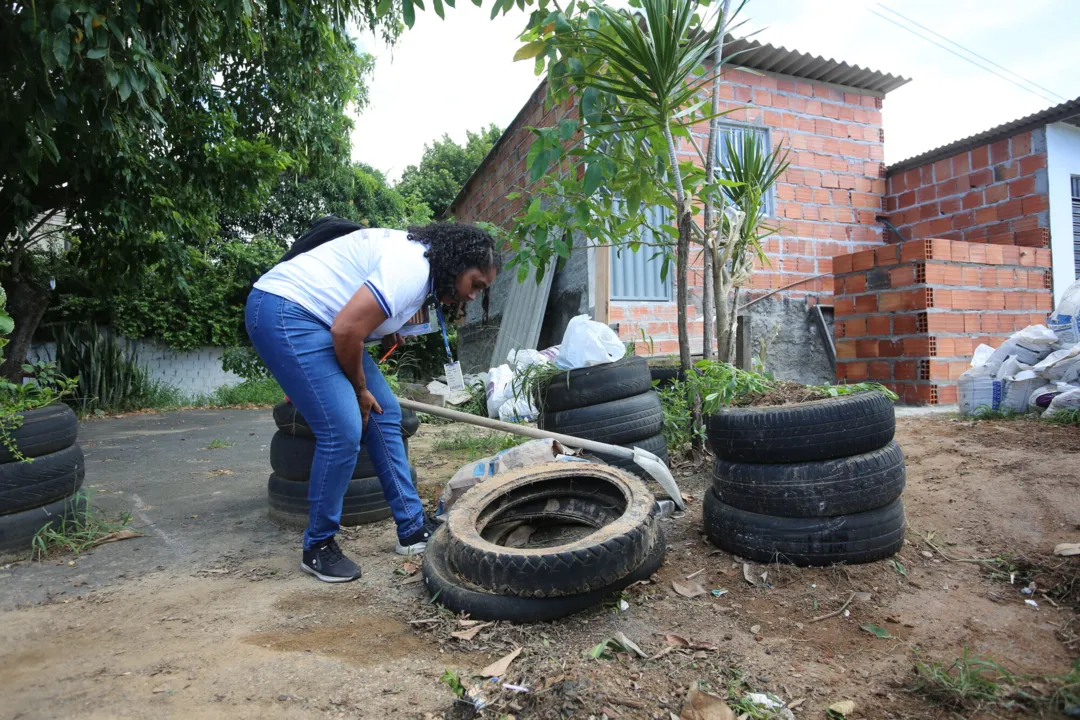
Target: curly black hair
453	248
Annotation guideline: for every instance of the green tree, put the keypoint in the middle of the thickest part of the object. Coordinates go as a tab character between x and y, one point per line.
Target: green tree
445	167
138	123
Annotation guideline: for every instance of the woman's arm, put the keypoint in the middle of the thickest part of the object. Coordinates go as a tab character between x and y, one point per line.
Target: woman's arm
352	326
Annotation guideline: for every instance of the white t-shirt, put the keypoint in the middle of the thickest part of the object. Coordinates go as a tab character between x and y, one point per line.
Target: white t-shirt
323	279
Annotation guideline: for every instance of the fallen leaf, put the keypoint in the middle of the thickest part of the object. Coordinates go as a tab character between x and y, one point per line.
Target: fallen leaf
842	708
693	575
748	574
629	644
471	632
795	703
500	666
677	640
468	623
412	579
1067	549
701	705
663	651
116	537
875	630
159	690
410	568
688	590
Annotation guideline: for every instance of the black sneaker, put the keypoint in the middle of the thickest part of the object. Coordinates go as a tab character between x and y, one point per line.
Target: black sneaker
326	562
417	542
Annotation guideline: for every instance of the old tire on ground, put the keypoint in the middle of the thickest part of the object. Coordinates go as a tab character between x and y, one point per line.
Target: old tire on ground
290	457
17	530
618	422
289	420
364	502
655	444
597	384
813	489
42	431
25	485
447	588
808	542
804	432
664	376
590	563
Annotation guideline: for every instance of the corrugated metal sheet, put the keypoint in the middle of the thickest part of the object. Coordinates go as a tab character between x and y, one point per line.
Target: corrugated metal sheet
522	316
636	275
1067	112
770	58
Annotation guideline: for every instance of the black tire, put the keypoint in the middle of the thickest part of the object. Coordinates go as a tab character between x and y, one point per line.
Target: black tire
815	489
818	430
289	420
364	502
25	485
664	376
655	444
807	542
42	431
593	562
17	530
410	422
619	422
290	457
446	588
597	384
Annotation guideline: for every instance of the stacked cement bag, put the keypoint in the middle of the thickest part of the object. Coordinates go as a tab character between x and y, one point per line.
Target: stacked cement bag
611	403
812	484
39	480
291	451
1036	369
544	541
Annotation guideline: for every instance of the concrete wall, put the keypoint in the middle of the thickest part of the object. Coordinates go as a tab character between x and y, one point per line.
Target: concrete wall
192	372
795	348
1063	161
995	193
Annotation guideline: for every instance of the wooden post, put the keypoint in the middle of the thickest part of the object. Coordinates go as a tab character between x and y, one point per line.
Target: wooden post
603	283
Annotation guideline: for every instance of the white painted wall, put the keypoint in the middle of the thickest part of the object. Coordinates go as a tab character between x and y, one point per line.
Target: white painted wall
193	372
1062	162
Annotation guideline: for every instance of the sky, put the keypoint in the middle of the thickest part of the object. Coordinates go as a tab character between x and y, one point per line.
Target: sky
453	75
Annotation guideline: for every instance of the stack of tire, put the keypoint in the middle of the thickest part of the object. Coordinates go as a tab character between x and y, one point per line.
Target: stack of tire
811	484
291	451
612	403
40	492
584	531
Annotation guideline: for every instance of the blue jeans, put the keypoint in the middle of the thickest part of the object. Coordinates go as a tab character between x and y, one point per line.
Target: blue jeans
298	350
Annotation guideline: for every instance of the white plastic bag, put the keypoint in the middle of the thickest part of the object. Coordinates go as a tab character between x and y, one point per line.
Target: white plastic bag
1029	345
1065	321
517	410
1065	401
982	355
1042	395
498	388
1010	368
521	359
586	343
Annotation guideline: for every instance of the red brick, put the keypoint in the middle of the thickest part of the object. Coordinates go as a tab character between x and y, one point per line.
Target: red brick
1042	258
904	324
862	260
999	151
1032	163
1033	204
878	325
844	306
980	157
866	348
887	255
856	372
866	304
979	178
842	264
1006	171
1010	209
976	253
855	284
996	193
943	169
890	302
855	327
890	348
1021	187
1021	144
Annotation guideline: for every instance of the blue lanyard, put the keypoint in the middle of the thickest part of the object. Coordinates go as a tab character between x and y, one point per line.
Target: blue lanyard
445	338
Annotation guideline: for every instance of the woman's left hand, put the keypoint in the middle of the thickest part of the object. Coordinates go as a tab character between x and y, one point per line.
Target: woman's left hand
389	342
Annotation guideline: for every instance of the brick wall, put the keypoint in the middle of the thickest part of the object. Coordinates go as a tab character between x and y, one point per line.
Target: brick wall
825	204
995	193
910	315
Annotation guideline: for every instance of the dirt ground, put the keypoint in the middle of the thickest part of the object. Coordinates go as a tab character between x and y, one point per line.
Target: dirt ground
233	629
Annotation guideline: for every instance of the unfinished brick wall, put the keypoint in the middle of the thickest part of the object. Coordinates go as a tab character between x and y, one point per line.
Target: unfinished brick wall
910	315
995	193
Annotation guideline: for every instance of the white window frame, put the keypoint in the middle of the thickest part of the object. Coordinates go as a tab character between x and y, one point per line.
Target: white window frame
766	133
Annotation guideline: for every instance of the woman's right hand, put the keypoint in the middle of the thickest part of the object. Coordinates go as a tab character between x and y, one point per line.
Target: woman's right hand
367	404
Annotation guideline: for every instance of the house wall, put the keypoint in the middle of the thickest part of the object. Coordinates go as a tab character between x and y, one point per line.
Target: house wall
995	193
1063	161
825	203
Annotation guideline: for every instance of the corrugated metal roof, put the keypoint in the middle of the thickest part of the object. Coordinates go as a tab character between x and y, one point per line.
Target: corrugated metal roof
1068	112
771	58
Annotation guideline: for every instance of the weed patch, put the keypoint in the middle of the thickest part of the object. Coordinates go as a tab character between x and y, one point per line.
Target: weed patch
85	528
218	445
478	446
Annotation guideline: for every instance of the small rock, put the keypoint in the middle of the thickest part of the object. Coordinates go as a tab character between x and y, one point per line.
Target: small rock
755	629
863	597
926	554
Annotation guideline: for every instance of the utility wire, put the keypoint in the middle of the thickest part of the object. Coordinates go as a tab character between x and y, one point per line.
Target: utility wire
962	57
972	52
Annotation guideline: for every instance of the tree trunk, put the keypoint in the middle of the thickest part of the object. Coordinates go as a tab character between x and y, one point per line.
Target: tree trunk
682	267
733	326
708	307
26	304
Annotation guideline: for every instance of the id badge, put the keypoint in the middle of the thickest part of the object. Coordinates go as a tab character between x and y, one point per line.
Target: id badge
454	378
